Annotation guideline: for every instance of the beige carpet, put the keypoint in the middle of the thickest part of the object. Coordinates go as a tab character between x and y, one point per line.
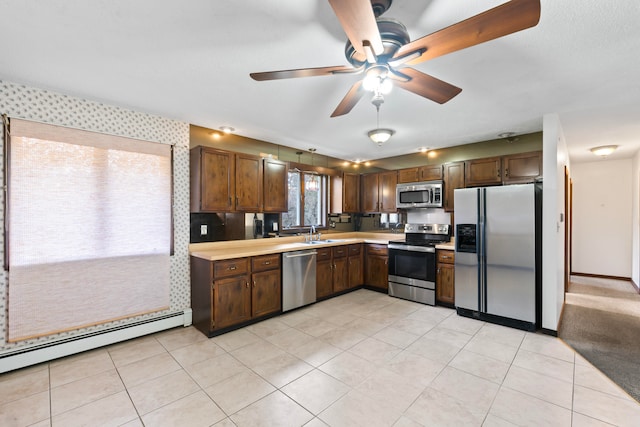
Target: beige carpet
601	321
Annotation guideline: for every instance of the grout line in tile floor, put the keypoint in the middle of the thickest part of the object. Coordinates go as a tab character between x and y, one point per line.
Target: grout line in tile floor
363	358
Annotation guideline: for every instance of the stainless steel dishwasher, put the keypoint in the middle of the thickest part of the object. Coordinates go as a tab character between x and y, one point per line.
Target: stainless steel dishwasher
298	279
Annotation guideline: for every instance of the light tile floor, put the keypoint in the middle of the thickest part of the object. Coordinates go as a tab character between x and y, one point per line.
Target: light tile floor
361	359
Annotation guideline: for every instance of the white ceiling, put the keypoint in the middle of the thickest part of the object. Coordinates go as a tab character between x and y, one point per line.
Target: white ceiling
190	60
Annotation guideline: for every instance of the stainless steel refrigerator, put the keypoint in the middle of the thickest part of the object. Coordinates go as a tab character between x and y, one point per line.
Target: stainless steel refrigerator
498	254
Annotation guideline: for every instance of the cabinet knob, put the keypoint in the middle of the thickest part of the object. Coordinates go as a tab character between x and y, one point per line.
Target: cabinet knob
246	285
498	173
233	267
506	172
267	262
254	283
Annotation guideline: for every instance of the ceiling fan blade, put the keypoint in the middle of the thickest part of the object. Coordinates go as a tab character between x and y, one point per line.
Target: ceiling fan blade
500	21
303	72
359	23
427	86
350	100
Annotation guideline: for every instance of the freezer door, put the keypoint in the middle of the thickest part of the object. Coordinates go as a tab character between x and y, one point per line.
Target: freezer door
510	252
467	268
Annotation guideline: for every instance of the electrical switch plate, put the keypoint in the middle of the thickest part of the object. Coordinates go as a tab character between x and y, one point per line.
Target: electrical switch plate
203	230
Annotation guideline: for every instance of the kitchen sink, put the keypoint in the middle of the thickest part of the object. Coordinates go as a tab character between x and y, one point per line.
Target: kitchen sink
317	242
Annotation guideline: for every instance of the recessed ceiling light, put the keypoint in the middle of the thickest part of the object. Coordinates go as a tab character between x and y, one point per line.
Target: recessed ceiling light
226	129
423	149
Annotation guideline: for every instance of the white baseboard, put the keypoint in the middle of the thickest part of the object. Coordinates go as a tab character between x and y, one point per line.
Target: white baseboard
16	359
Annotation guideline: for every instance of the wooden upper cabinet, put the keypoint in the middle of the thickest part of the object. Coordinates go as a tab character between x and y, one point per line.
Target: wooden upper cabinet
408	175
485	171
351	193
369	193
430	173
453	178
521	168
275	186
345	193
248	186
421	173
212	180
387	183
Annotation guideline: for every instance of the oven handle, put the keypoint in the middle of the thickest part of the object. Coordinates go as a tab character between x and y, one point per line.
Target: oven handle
412	248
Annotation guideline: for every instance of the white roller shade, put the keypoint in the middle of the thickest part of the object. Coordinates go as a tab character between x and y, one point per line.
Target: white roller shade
89	229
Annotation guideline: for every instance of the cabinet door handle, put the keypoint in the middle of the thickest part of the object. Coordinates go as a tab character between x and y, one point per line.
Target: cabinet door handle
233	267
498	173
506	172
438	271
445	256
246	285
267	262
254	283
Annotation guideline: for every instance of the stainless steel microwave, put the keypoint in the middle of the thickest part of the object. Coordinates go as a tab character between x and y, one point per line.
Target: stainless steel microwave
419	195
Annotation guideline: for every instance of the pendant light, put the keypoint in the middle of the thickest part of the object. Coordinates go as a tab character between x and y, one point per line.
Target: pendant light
379	135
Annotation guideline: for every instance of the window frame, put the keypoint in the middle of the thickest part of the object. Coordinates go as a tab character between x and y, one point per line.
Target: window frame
324	201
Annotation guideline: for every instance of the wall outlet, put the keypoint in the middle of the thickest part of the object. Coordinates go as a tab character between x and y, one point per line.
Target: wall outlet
204	230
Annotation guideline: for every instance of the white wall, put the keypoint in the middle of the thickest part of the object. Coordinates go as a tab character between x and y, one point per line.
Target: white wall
602	220
554	159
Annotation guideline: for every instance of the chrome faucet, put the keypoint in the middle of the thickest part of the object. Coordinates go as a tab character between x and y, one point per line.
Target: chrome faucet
312	231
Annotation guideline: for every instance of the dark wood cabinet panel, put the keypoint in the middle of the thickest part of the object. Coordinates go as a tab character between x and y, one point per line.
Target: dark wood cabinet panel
421	173
212	180
453	177
430	173
275	195
355	267
369	193
324	279
377	266
340	274
248	183
230	301
445	274
408	175
230	267
266	293
350	193
387	183
521	168
485	171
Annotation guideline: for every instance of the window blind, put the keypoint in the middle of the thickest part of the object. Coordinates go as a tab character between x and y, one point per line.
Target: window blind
89	228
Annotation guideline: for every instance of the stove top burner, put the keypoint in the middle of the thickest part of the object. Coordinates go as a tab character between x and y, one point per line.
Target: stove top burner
426	235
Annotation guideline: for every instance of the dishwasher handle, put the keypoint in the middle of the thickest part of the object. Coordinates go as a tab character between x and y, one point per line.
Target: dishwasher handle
301	255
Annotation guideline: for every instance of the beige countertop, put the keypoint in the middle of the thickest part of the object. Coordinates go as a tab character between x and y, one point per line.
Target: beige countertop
214	251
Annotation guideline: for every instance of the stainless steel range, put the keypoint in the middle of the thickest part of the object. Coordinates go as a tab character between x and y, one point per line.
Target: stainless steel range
412	263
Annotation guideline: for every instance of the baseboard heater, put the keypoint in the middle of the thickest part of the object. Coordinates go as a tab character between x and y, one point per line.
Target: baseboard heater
27	356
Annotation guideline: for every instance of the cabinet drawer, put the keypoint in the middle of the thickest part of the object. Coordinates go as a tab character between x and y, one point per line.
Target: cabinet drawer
230	267
323	254
446	257
265	262
339	251
380	250
354	249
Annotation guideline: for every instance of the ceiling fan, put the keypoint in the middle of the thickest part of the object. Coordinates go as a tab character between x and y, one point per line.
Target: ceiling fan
381	48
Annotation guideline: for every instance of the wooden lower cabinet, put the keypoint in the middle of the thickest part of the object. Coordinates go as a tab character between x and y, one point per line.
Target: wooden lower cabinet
377	266
324	273
232	292
445	275
355	266
230	302
266	293
338	269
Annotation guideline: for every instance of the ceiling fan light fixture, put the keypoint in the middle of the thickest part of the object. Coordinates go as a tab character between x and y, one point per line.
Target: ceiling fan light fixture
380	135
604	150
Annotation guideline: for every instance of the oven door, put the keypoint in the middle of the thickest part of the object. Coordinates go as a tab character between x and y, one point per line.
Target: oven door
417	263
